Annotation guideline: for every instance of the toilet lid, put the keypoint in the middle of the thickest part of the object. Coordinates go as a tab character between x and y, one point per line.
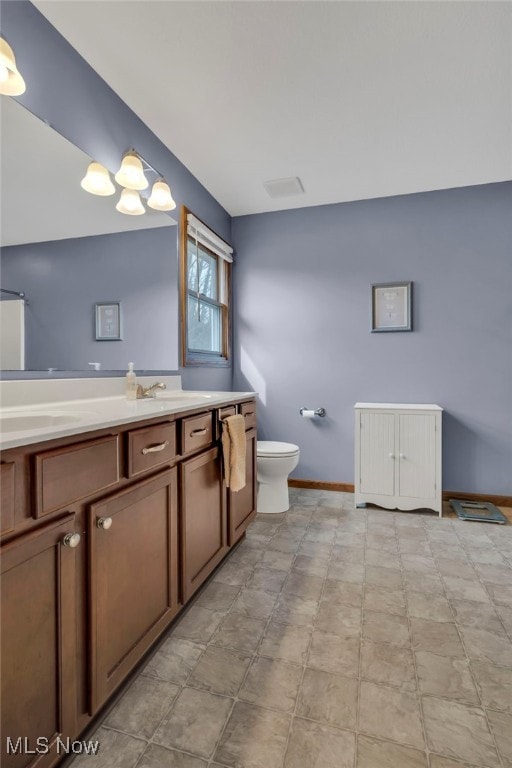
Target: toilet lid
272	448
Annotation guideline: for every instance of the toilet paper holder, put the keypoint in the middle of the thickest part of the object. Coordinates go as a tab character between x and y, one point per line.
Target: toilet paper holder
317	411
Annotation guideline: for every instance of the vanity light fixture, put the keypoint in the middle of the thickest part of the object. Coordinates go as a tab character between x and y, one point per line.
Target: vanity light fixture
161	197
11	81
97	180
131	173
130	203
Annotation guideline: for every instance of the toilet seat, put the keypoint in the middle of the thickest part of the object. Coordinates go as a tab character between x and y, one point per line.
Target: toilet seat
274	450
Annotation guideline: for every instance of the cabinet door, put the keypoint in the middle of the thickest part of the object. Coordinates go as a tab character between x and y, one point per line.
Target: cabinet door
242	504
134	577
417	455
38	644
377	453
203	519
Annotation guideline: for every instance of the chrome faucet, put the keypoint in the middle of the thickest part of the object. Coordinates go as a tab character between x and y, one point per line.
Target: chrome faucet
143	392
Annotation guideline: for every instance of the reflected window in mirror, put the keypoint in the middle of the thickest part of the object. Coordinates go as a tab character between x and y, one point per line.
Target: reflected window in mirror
205	293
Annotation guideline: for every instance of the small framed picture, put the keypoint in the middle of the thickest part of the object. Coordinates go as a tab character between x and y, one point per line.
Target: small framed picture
391	307
108	321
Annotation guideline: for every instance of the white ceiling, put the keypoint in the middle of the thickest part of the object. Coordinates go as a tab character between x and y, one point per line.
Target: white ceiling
41	197
358	99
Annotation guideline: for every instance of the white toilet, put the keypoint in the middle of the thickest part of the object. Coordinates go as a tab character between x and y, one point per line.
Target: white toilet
275	461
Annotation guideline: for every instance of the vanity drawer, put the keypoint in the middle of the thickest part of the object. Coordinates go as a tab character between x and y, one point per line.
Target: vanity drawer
7	475
196	432
67	474
229	410
151	447
248	411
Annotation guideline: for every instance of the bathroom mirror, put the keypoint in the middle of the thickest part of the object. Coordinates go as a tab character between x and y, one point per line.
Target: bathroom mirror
68	250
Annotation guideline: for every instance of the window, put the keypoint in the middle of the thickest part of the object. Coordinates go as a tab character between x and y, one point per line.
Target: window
205	293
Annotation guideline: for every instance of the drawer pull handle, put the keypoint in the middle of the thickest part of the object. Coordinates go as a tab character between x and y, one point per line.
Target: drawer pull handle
71	540
197	432
104	523
249	413
155	448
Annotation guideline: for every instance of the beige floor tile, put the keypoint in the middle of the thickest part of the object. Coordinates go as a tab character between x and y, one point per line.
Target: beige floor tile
333	653
272	683
417	563
465	589
267	579
303	585
320	535
388	664
287	642
315	549
253	738
328	698
174	660
473	614
346	571
281	561
421	582
433	607
218	596
459	731
386	628
382	576
239	632
342	593
494	684
313	745
375	558
195	722
255	603
116	750
220	671
142	707
160	757
292	609
436	761
198	624
235	574
343	620
312	566
445	676
436	636
374	753
506	617
384	599
501	726
390	713
487	646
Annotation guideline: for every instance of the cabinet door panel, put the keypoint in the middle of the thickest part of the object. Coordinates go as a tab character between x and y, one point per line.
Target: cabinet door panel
38	642
242	504
417	461
203	519
377	447
134	577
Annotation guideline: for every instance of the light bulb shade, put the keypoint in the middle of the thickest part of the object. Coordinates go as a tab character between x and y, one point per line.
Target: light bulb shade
131	173
97	180
161	198
130	203
11	82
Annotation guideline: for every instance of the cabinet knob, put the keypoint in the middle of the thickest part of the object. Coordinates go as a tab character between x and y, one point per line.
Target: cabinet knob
104	523
391	455
402	455
71	540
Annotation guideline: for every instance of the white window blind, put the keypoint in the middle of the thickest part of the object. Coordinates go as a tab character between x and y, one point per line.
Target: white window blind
209	239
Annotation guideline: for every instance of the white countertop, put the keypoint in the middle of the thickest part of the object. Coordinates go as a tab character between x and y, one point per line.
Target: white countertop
401	406
78	415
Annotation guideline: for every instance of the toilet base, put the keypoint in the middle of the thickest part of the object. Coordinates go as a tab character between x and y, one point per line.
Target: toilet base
273	497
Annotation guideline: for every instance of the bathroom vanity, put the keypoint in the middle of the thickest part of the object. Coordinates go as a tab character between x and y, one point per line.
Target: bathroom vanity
106	535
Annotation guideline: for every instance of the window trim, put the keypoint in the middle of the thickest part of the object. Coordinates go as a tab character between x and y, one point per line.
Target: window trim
189	357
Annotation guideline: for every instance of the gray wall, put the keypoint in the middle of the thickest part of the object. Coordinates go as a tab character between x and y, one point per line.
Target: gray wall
64	279
302	316
64	90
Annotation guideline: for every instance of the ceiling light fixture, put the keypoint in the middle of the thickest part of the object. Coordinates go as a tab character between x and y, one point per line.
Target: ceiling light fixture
130	203
161	197
97	180
131	172
11	81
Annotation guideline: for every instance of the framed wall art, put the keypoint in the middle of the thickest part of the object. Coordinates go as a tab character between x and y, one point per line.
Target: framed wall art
391	307
108	321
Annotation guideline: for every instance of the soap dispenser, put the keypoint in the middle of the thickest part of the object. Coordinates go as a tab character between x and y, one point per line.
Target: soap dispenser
131	383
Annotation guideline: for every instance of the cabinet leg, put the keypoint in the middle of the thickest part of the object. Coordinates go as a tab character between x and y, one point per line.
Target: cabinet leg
361	505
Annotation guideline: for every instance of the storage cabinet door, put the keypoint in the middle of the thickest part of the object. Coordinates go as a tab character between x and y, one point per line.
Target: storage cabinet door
242	504
203	519
38	644
377	457
416	455
134	577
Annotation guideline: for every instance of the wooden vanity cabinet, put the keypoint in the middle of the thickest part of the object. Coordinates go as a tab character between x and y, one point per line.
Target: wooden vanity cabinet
38	646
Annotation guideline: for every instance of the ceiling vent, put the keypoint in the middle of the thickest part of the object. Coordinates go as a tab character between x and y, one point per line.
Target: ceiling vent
284	187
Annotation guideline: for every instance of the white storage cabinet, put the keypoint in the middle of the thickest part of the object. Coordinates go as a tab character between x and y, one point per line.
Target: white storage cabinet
398	456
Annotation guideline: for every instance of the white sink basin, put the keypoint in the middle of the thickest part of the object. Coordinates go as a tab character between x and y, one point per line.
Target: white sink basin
16	422
179	395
